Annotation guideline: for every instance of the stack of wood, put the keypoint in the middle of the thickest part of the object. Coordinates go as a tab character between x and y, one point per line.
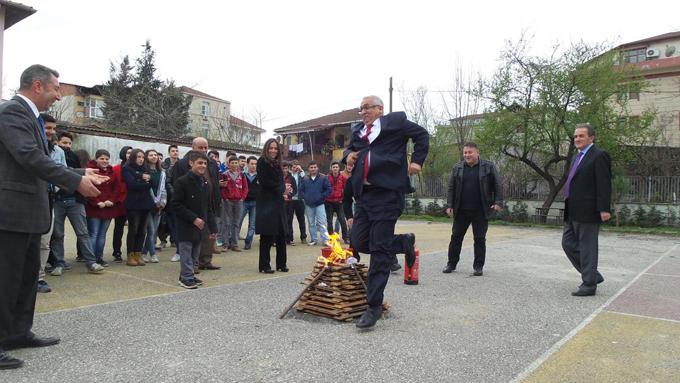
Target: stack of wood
338	293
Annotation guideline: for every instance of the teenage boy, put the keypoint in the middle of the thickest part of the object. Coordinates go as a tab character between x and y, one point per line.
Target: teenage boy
313	189
234	191
288	179
297	203
333	202
191	204
249	202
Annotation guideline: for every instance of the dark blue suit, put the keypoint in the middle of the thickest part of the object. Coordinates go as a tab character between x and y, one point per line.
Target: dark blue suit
381	201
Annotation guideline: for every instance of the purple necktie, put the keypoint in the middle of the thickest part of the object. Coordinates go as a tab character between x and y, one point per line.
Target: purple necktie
572	171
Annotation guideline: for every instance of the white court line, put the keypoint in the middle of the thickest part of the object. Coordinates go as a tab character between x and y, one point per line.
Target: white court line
142	279
643	316
663	275
547	354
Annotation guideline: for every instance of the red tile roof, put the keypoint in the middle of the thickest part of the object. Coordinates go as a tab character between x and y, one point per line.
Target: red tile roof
198	93
349	116
243	124
665	36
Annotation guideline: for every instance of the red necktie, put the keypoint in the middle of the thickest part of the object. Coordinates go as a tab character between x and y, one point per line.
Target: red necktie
365	138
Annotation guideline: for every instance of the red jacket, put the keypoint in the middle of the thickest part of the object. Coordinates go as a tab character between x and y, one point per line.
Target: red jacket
119	203
110	191
236	190
337	187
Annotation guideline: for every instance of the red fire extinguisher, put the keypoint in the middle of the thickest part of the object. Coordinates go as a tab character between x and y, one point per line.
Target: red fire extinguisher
411	272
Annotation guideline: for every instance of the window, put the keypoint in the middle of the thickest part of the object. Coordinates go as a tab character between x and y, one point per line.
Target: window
205	110
635	56
628	92
205	128
94	108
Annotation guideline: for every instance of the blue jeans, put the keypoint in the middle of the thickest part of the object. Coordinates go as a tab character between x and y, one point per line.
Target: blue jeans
248	208
76	215
151	230
316	220
97	228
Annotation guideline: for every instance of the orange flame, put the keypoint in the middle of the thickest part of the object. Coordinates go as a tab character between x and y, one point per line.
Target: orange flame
338	255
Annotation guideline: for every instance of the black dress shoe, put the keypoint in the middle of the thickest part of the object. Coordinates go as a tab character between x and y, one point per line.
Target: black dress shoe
395	267
408	242
267	271
584	291
600	278
209	266
449	269
31	342
282	269
370	317
477	273
8	362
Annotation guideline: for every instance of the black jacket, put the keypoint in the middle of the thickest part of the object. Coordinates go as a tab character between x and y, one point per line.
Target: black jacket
253	187
270	214
489	185
191	200
388	163
182	167
591	188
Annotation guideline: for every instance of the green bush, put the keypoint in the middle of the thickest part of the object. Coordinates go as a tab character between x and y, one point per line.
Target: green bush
520	212
416	206
434	209
624	215
639	216
653	218
504	214
672	217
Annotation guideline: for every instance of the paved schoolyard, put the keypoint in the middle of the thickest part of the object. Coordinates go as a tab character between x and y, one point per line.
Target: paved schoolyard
517	322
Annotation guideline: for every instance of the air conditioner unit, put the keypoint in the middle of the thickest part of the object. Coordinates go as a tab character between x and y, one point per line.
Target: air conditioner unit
653	53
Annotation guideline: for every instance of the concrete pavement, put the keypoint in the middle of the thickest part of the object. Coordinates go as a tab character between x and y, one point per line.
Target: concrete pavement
518	322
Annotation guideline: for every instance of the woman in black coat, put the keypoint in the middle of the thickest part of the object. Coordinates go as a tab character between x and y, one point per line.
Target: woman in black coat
270	221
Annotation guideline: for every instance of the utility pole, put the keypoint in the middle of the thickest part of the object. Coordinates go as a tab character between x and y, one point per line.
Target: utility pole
391	94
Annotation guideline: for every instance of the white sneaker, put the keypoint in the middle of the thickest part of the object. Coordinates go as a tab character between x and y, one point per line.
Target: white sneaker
311	243
146	258
175	258
57	271
95	268
154	259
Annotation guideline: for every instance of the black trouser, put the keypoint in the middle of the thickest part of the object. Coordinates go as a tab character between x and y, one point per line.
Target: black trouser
266	242
119	226
19	265
336	207
580	243
373	232
290	211
163	228
480	225
137	220
299	209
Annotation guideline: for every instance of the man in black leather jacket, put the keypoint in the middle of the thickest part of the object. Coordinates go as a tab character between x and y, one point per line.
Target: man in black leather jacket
475	191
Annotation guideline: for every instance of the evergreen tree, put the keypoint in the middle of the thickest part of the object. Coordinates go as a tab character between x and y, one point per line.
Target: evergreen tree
140	102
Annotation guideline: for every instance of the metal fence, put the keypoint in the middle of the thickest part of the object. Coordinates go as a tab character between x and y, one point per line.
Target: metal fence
636	189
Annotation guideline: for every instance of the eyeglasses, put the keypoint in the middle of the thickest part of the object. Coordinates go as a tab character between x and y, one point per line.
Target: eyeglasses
366	107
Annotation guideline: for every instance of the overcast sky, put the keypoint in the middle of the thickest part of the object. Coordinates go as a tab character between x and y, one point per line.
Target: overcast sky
296	60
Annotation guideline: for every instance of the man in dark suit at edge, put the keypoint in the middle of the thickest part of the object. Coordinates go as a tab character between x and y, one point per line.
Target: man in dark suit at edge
379	181
25	171
587	200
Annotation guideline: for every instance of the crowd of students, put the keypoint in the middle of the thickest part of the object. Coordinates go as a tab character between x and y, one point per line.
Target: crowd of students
163	203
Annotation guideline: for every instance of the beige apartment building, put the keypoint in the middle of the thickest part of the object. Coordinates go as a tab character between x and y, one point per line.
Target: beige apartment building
210	117
80	105
658	59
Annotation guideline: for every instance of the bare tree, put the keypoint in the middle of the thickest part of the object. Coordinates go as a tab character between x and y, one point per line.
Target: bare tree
462	104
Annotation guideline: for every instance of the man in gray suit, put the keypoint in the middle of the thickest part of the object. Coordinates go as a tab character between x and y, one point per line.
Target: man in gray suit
26	169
